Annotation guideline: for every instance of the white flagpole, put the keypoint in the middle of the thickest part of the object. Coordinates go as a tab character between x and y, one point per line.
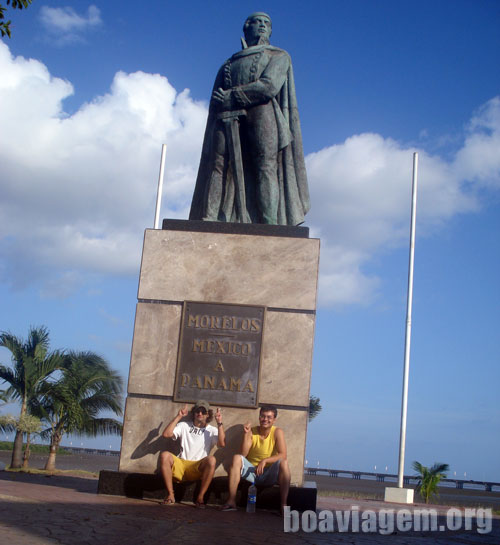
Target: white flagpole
404	402
160	186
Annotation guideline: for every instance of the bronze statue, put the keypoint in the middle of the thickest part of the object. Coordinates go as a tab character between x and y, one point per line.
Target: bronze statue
252	163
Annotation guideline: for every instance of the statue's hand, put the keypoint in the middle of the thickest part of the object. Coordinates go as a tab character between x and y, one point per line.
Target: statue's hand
223	98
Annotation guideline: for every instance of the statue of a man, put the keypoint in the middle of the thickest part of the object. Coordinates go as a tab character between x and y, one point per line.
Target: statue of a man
252	163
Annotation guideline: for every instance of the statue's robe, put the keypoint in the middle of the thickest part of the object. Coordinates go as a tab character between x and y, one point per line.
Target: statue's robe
256	76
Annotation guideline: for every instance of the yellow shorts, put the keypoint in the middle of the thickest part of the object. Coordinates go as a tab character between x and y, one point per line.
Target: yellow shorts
186	470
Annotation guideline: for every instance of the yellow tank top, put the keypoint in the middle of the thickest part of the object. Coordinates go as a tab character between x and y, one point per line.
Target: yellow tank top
261	448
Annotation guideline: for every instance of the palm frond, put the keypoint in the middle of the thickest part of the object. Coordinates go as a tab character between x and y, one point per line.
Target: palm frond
8	375
100	426
429	478
13	344
87	386
439	469
37	343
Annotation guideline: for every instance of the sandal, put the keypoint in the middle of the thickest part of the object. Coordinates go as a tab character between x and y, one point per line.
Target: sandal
200	505
168	501
228	507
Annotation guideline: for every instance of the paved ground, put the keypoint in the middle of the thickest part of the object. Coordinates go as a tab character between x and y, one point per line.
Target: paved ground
36	510
355	488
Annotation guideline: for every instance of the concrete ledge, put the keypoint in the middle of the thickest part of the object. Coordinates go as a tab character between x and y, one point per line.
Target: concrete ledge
399	495
236	228
144	485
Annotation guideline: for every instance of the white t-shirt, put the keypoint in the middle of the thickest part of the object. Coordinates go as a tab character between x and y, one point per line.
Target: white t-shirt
196	443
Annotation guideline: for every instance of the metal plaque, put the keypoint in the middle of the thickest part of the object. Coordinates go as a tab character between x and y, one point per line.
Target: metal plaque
219	354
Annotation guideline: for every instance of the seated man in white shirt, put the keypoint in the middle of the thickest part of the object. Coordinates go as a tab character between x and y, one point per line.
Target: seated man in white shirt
197	438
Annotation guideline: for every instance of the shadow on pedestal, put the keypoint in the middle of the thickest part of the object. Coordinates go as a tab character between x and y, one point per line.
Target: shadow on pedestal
150	486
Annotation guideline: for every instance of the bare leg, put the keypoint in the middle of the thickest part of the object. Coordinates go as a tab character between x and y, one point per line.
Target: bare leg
166	463
207	468
284	481
234	479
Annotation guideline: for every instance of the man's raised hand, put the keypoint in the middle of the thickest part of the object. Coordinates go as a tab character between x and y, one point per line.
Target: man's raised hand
183	412
247	428
218	416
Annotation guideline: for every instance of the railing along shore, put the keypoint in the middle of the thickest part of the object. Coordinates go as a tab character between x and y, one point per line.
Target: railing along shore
407	479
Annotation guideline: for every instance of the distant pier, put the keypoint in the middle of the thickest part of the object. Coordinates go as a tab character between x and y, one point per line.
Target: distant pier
407	479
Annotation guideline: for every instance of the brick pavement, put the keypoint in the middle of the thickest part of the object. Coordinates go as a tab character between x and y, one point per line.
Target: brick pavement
39	510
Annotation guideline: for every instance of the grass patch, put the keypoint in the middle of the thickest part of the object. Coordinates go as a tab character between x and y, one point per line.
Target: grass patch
349	495
34	448
68	472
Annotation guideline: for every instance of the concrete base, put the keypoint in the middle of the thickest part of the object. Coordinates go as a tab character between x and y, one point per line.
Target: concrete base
399	495
151	486
269	266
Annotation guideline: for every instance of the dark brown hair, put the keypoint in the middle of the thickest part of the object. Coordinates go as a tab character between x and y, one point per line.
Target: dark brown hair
269	408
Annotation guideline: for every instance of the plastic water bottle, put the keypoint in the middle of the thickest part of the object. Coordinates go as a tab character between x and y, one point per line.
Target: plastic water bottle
251	498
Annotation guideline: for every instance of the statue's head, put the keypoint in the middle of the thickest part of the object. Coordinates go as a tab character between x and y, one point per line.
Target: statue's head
257	28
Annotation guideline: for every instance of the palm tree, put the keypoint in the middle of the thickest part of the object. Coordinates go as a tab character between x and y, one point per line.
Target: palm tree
32	364
429	478
73	404
314	407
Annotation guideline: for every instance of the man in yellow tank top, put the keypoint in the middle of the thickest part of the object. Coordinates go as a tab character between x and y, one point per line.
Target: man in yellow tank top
262	459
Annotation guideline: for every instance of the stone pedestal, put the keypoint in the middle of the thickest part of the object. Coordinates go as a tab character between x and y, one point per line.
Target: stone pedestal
268	266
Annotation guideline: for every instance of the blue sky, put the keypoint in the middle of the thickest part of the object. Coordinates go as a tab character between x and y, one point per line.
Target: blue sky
90	90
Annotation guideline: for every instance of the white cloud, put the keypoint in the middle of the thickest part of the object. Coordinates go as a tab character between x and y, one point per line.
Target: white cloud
66	25
478	160
78	191
360	192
